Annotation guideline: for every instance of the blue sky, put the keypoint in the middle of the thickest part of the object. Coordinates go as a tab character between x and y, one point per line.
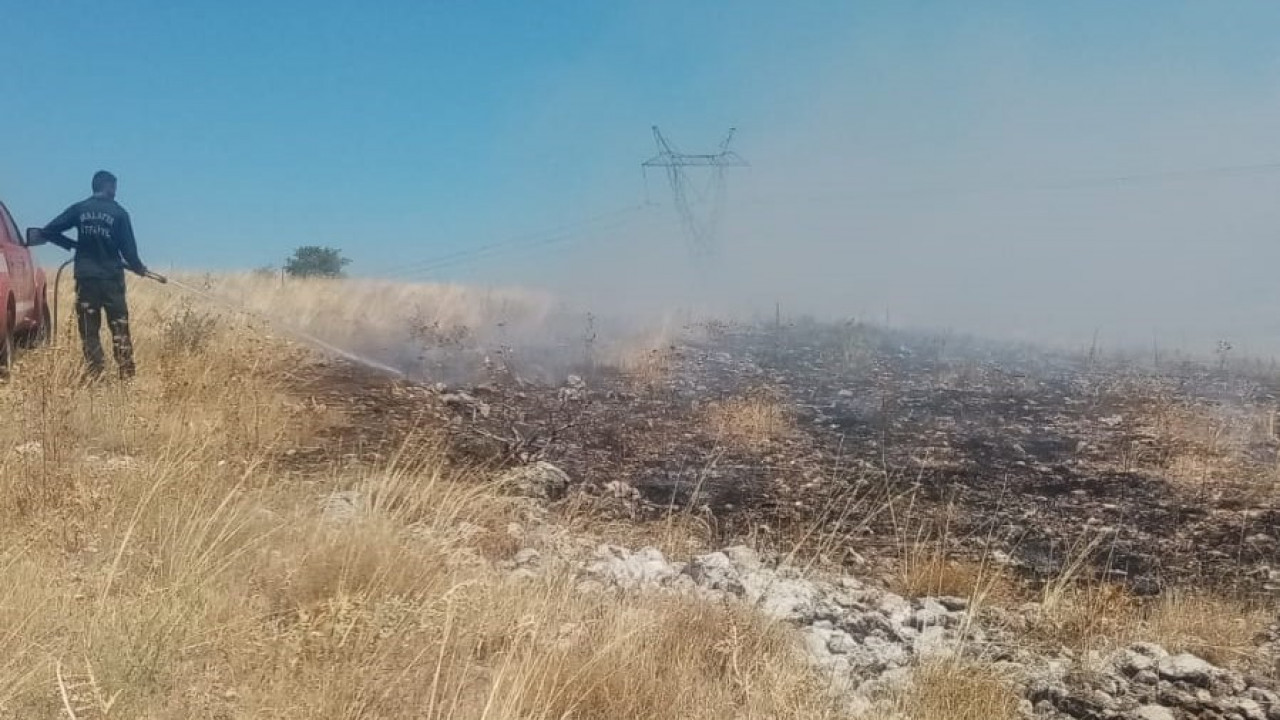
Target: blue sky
404	131
395	130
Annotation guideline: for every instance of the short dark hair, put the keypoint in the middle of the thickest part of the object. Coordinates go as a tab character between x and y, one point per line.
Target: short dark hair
102	179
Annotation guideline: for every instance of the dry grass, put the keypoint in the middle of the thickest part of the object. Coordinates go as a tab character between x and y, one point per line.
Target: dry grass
1092	616
1221	630
1204	450
1105	616
753	421
1089	615
956	689
357	313
1195	446
646	367
926	570
449	330
645	357
156	561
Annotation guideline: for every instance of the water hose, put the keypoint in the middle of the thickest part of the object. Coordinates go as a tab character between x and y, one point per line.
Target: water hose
57	283
53	316
298	334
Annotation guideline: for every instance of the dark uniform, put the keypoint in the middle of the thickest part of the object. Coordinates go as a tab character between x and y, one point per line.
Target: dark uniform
104	248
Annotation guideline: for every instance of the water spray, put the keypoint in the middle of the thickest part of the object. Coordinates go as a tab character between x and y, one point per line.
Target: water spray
299	335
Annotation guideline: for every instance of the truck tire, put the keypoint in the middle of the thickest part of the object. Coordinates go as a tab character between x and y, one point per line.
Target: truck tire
8	348
42	334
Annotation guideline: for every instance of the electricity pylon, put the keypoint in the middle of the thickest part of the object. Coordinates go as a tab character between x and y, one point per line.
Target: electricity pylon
700	228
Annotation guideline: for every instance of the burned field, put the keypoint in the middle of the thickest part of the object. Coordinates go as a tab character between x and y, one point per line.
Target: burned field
850	444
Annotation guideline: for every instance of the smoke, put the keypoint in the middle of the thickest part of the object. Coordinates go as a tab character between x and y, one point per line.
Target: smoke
985	184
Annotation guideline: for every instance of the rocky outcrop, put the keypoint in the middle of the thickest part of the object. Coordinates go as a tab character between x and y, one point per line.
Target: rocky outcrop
1145	682
866	639
863	638
540	480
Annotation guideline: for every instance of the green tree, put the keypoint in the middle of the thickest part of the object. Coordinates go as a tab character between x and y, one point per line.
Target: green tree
315	261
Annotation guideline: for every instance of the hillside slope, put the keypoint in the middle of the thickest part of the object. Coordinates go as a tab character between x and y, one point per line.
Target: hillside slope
786	522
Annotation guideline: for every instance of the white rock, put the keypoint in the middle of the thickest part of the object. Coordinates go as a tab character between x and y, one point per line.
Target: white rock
931	641
527	557
1057	669
895	607
848	583
1146	677
841	643
931	612
684	584
1003	558
783	599
520	575
342	506
464	400
888	654
744	558
589	587
715	571
115	463
621	490
644	568
855	633
1131	662
540	480
1263	696
1151	650
817	642
1250	709
1153	712
1186	667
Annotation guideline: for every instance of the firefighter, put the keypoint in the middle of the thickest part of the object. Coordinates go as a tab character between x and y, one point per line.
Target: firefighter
104	247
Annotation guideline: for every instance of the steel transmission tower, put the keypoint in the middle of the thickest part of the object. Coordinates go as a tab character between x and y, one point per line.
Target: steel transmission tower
689	196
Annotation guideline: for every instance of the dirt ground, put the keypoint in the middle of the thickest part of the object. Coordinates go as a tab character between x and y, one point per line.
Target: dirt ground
854	442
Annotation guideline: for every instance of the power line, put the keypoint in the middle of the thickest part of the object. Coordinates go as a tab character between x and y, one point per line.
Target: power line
1166	175
1083	183
700	230
570	234
517	240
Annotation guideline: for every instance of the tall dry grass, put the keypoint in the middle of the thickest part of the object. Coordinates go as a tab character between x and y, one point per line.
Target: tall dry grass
956	689
343	309
752	421
1081	612
159	559
926	570
456	332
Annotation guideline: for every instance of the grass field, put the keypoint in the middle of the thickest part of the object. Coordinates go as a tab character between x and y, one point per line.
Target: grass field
162	556
158	560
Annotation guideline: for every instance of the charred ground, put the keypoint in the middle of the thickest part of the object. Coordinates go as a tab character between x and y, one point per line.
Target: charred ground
1162	473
